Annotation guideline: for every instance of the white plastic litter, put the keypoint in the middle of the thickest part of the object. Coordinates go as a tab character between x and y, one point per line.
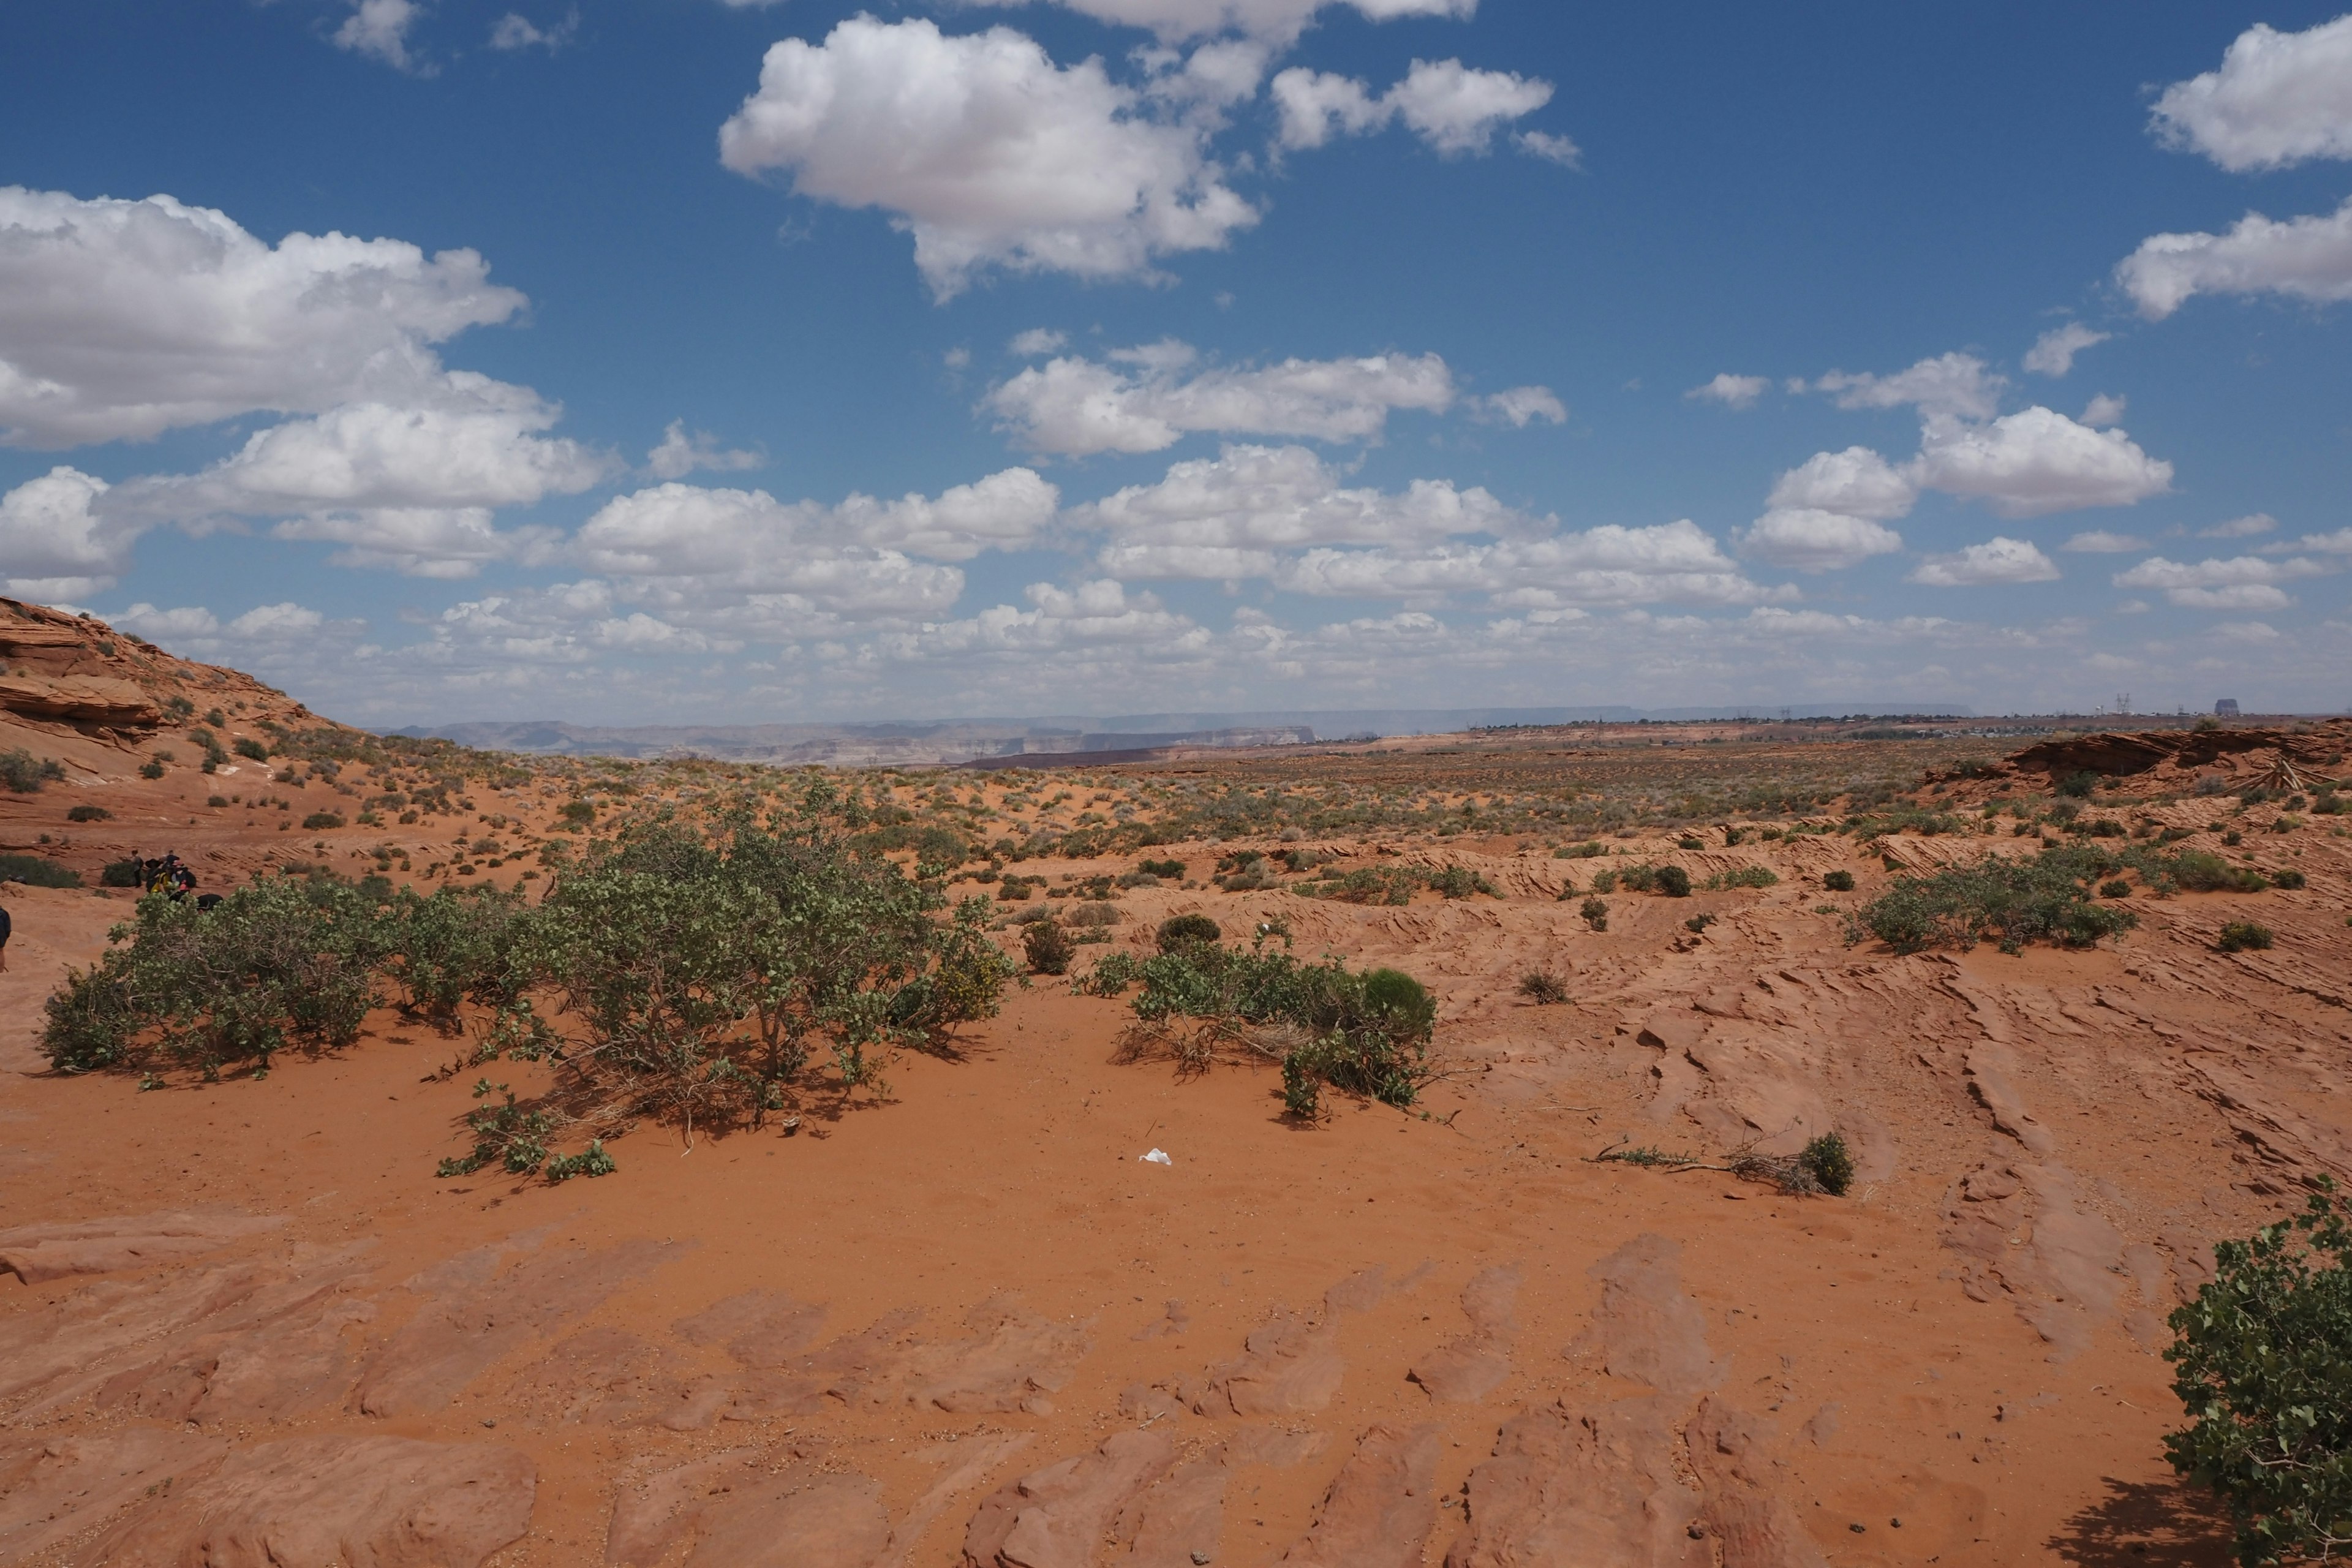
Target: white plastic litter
1157	1157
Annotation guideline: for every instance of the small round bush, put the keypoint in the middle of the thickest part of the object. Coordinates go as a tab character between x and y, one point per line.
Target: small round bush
2239	935
1596	913
2079	785
2289	878
321	819
1543	988
1181	931
123	874
1838	882
89	814
1829	1162
2117	888
1674	881
153	768
1047	947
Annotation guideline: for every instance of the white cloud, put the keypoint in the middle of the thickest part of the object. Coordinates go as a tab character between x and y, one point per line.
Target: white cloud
1039	342
680	454
54	541
2337	543
481	447
445	542
2304	258
1453	106
1957	384
119	320
1279	20
2103	411
280	621
1006	511
1096	613
2037	461
1733	391
515	31
1520	406
2054	351
1998	560
1551	148
1074	408
987	152
2245	527
167	626
379	29
1806	539
1856	481
2278	98
2099	543
2241	582
2246	631
1611	564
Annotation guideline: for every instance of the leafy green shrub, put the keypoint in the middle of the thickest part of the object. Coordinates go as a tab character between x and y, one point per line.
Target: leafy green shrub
216	801
2239	936
513	1134
36	873
2263	1362
1637	879
2290	879
1745	877
1605	881
589	1162
1690	841
2018	901
1830	1162
245	746
214	717
1365	885
1595	912
1460	882
451	946
1181	931
577	813
125	873
1588	850
2117	888
1048	947
1543	988
153	768
1173	871
280	961
2202	871
1112	974
1698	923
2079	786
1837	881
24	773
89	814
1674	881
318	820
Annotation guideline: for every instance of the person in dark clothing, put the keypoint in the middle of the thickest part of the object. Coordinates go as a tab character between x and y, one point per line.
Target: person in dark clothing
6	926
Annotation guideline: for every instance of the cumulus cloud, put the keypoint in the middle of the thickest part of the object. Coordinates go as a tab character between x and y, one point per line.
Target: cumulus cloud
119	320
2246	527
1039	342
2303	258
514	32
445	542
681	454
1807	539
2037	461
1098	613
54	541
2337	543
2103	411
1520	406
1732	391
1998	560
1280	21
2100	543
1856	481
984	150
1149	399
2054	351
1954	384
1551	148
1454	108
1611	565
2242	583
379	29
2278	98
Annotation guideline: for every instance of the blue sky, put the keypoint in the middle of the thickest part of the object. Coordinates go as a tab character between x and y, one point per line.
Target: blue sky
655	359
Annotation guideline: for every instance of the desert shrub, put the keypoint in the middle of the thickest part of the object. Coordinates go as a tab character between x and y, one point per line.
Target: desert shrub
1595	912
318	820
1543	988
2263	1366
1112	974
212	716
1460	882
153	768
1674	881
36	873
1828	1160
1690	841
1605	881
2079	786
1837	881
1698	923
1743	877
1048	948
2239	936
1637	879
577	813
1092	916
89	814
124	873
2290	879
1588	850
2202	871
589	1162
2117	888
24	773
245	746
451	946
1365	885
216	801
1173	871
281	961
1181	931
1015	890
2018	902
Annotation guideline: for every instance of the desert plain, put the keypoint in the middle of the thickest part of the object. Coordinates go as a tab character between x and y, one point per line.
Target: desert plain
954	1317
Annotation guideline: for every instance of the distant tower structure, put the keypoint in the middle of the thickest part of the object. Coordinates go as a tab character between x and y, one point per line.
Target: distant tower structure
2226	708
1787	714
2122	702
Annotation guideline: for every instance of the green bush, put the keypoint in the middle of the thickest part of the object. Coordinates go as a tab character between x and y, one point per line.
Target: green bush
36	873
2079	786
1745	877
245	746
318	820
451	946
1837	881
2239	936
1460	882
1047	947
89	814
1605	881
1588	850
1830	1162
1674	881
1543	988
2016	901
24	773
2202	871
589	1162
1181	931
1172	870
2119	888
126	873
1641	878
2290	879
1595	912
153	768
2263	1366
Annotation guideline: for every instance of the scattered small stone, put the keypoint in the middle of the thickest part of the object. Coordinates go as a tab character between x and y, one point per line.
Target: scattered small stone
1859	1529
1199	1559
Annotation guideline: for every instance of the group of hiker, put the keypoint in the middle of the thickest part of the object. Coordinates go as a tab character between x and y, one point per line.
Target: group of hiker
171	877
